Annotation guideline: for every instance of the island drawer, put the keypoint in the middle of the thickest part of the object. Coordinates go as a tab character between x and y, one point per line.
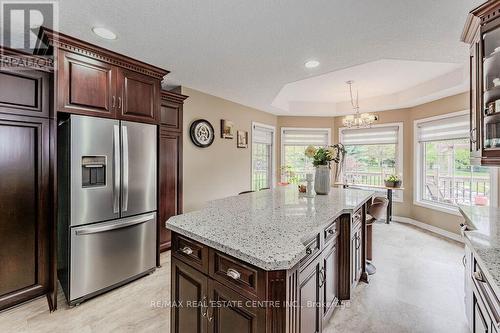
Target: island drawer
312	249
331	231
246	279
191	252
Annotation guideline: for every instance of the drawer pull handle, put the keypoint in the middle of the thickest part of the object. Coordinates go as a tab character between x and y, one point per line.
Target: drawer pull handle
478	276
187	250
309	251
233	274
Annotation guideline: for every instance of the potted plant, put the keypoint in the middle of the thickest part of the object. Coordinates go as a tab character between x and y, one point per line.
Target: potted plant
322	158
393	181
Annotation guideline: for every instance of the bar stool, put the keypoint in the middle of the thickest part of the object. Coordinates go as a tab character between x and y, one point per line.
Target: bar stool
376	211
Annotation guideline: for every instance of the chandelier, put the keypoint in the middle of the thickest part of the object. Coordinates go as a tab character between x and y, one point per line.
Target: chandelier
357	120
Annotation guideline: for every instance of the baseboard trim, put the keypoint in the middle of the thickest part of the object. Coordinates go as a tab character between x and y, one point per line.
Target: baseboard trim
429	227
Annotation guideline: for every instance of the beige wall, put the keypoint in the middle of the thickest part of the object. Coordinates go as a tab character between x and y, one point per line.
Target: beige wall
222	169
433	217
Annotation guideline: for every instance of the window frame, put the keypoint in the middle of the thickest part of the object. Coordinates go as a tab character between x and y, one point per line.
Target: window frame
398	194
273	152
418	149
309	129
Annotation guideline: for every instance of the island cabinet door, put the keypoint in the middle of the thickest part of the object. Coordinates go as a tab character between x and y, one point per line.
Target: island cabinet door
229	312
189	297
311	280
331	281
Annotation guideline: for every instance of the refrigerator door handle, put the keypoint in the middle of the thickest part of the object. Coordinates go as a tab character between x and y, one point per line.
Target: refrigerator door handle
114	226
116	169
125	168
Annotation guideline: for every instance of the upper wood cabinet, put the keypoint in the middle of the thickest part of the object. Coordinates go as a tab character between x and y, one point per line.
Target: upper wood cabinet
85	85
482	33
171	110
138	96
98	82
25	93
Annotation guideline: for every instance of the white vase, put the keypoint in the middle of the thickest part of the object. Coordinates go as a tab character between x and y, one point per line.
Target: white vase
322	180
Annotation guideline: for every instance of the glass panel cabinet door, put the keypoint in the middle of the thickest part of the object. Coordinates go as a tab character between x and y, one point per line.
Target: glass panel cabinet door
491	84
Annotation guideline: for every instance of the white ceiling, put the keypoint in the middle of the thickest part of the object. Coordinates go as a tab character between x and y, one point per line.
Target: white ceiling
248	51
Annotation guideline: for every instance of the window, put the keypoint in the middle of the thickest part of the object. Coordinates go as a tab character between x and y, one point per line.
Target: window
262	156
372	154
444	176
294	141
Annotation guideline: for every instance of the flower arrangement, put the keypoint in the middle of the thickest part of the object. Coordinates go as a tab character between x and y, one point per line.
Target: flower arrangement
326	155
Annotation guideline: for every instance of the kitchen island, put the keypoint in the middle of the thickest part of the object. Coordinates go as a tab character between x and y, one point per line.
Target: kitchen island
269	261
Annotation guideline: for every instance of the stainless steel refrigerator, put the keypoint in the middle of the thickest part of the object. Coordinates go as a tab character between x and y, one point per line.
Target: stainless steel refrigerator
106	204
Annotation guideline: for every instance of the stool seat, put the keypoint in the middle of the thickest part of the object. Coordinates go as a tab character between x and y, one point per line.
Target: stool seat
375	212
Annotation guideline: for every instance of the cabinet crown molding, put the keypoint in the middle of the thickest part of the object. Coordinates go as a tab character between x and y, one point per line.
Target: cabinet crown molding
173	96
54	39
478	16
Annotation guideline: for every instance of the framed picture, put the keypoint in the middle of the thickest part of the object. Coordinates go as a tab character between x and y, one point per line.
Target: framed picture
227	129
242	139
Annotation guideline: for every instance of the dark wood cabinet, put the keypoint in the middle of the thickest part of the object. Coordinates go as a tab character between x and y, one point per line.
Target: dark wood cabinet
169	164
331	280
138	96
26	198
356	257
245	298
97	82
482	33
171	111
237	315
85	85
311	280
190	286
170	182
25	93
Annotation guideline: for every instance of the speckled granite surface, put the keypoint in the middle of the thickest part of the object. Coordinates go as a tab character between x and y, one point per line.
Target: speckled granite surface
268	228
484	238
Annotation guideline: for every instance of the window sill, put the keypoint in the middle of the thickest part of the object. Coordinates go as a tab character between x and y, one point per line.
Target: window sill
438	207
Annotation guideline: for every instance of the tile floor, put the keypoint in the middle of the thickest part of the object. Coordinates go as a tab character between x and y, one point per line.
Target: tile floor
418	288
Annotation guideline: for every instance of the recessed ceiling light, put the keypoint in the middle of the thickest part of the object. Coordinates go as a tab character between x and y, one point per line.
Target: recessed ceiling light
312	64
104	33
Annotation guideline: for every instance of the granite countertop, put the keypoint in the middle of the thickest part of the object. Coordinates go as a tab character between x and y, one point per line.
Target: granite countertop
483	236
267	228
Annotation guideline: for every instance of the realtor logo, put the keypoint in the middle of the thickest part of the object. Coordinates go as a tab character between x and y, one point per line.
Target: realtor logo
21	22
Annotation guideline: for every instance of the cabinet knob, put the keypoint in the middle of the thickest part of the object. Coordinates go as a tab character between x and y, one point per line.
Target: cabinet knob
233	274
309	251
187	250
473	135
331	231
478	276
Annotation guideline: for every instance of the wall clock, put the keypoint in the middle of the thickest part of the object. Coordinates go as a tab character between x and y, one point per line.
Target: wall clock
202	133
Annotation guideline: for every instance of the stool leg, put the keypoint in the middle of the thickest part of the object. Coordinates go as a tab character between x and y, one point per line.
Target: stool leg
370	268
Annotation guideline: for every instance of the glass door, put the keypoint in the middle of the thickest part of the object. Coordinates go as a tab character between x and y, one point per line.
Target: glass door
262	157
491	84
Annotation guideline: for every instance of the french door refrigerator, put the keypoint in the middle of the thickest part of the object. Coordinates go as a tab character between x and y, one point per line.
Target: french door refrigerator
107	204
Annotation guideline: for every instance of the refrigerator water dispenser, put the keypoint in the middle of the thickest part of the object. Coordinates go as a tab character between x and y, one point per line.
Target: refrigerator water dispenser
93	171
